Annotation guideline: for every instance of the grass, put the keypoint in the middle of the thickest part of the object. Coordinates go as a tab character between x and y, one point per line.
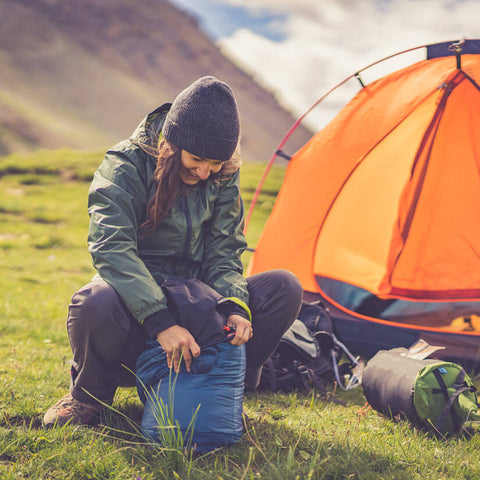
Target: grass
43	260
168	430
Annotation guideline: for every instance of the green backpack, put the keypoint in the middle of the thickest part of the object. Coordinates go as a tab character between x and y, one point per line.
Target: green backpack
430	393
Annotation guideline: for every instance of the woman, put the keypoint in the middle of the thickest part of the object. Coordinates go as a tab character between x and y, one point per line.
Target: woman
168	206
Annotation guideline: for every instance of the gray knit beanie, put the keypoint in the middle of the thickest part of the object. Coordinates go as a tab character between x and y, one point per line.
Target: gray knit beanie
203	120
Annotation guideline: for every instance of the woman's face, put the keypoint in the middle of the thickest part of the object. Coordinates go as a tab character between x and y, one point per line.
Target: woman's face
196	168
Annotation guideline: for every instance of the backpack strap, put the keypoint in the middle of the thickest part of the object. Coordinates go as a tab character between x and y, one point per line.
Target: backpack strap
277	378
356	366
308	377
460	387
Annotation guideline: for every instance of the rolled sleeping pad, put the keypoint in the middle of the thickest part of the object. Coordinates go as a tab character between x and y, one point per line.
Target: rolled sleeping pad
430	393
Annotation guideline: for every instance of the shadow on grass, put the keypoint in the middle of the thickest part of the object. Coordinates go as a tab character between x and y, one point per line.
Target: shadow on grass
31	422
123	423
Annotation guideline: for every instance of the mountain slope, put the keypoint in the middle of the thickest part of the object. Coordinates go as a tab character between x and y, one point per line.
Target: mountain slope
83	73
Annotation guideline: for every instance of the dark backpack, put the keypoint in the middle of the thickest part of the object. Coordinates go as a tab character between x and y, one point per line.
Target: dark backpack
309	356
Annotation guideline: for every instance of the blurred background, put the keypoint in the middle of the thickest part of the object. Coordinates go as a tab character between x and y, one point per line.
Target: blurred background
83	73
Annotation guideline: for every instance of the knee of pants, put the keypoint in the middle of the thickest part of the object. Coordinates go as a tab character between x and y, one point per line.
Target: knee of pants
275	291
287	284
97	306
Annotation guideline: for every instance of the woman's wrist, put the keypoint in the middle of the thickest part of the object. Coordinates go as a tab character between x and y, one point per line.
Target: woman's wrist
228	308
157	322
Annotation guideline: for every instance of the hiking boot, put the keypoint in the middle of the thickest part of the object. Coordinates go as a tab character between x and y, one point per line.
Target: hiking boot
69	410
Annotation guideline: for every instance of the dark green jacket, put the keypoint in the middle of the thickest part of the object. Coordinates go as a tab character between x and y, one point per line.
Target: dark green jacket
202	237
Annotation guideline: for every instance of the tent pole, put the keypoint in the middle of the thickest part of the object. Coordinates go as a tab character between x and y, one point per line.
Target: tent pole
359	78
457	48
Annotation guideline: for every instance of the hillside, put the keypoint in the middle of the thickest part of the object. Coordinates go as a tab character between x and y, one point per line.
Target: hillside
83	73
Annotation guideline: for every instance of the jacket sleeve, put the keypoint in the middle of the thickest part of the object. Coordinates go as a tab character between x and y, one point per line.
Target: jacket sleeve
222	267
117	201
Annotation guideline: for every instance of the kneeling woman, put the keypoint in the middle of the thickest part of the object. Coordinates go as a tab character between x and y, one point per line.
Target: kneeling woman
166	204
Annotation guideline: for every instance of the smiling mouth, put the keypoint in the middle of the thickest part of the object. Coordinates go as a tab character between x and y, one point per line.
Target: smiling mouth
189	175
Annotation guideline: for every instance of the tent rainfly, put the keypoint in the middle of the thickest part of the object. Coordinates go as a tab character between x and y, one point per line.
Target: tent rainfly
379	213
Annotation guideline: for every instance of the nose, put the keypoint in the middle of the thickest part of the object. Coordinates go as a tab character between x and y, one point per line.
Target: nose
203	171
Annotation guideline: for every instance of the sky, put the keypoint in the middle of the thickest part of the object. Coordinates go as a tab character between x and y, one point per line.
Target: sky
300	49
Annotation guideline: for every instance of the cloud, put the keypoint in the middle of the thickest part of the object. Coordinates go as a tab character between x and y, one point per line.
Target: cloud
327	41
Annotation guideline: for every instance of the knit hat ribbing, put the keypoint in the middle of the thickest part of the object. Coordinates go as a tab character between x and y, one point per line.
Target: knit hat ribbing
203	120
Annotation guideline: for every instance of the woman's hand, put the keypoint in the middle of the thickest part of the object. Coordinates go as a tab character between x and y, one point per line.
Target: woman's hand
243	327
178	343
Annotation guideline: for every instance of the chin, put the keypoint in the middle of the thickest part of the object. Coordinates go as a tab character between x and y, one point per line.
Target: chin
190	181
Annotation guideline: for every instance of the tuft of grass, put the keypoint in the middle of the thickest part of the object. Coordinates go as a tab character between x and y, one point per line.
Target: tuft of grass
169	432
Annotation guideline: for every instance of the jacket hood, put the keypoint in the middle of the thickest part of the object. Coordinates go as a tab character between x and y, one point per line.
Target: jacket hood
150	127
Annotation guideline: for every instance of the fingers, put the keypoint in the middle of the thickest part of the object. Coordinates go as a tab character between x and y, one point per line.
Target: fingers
174	359
194	348
191	350
169	359
178	343
243	334
187	352
187	357
244	329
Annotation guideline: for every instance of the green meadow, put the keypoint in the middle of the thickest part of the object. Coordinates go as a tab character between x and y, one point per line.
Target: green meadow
44	259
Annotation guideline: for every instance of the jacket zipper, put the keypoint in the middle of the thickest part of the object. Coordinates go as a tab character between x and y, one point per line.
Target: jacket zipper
188	236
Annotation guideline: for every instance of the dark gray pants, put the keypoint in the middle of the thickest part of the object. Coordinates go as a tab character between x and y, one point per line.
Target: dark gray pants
106	340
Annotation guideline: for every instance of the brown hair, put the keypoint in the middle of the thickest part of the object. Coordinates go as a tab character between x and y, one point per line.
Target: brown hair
169	183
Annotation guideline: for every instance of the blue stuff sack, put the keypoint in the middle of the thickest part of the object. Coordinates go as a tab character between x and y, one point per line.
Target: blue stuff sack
201	410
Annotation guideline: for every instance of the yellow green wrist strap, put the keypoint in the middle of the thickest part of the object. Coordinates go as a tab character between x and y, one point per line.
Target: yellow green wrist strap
242	304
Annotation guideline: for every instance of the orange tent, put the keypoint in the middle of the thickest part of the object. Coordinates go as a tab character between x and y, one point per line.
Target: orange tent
383	204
